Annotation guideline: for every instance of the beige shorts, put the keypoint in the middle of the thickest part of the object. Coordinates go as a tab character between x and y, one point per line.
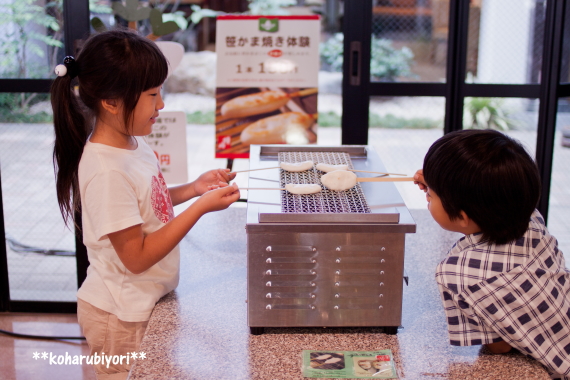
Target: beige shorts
105	333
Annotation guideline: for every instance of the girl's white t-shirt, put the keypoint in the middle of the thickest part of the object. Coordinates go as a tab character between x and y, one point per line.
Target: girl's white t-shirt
122	188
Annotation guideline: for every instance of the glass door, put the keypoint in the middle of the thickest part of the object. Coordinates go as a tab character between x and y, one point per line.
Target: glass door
38	262
415	69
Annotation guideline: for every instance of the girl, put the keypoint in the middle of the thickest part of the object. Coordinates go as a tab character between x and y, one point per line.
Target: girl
104	166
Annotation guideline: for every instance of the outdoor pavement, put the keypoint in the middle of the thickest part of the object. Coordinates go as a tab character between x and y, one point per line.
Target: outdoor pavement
32	215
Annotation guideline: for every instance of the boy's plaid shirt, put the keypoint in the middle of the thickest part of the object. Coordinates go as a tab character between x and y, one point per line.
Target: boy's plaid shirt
517	292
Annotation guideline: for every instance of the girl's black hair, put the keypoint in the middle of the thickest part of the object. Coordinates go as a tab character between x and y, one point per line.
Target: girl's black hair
116	64
489	176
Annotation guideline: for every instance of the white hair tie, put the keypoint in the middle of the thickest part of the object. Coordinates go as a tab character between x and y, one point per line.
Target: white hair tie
60	70
69	67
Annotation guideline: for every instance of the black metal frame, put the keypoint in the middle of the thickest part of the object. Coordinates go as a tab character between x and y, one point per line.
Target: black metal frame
76	28
551	62
356	95
356	71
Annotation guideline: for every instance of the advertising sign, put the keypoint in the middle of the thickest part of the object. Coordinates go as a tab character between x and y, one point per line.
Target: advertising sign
168	141
267	82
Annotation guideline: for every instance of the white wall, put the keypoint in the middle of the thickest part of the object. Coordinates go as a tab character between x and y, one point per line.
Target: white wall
505	41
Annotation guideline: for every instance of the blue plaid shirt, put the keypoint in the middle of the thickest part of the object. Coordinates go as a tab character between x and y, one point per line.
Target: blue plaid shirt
517	292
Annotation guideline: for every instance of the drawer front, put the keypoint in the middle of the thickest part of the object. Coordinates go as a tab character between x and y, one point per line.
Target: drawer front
325	279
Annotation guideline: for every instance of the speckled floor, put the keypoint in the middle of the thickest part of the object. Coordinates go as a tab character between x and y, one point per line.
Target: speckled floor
200	331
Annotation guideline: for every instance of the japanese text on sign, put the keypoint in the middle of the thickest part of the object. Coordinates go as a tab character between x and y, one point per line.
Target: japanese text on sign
269	41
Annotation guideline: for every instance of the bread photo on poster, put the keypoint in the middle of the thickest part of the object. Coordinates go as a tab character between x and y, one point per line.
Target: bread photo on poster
246	116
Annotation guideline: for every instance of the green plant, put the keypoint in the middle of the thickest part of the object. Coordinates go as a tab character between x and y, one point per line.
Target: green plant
386	64
20	38
332	119
199	117
98	6
331	51
270	7
20	19
256	7
483	113
329	119
391	121
188	24
11	110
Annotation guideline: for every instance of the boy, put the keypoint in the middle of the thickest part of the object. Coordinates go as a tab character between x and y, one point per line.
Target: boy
504	284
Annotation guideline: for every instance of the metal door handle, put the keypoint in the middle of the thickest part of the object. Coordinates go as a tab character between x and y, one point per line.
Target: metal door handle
355	58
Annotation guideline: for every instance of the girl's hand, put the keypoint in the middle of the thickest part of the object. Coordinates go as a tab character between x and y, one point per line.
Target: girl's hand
219	198
220	184
419	180
212	178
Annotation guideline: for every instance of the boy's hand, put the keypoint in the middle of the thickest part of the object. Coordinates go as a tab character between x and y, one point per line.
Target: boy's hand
212	178
419	180
219	198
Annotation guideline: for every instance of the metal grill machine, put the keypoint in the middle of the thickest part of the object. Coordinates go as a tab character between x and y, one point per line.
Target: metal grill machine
330	259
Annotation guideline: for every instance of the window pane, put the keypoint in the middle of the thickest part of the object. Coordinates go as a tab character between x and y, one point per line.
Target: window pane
505	41
409	40
41	263
559	207
401	131
32	38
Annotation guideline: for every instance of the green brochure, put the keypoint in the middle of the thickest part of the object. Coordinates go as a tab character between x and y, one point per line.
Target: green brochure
349	364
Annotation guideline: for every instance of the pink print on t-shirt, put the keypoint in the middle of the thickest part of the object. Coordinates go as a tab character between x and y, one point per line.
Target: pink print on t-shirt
160	199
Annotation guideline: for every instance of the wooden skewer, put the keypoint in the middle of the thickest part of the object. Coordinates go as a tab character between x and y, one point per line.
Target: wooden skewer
366	171
252	170
261	188
360	179
352	170
384	179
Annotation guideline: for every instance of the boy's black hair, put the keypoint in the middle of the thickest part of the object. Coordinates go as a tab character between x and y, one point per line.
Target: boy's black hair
489	176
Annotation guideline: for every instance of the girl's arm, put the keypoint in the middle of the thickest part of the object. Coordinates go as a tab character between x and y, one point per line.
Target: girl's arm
138	252
183	193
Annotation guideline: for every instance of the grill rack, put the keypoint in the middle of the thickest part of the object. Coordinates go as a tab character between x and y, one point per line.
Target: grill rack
327	201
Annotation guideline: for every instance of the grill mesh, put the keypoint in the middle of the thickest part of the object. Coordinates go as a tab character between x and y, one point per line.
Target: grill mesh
327	201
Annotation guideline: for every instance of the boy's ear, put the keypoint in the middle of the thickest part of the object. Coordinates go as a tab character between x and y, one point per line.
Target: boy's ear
110	105
467	224
463	219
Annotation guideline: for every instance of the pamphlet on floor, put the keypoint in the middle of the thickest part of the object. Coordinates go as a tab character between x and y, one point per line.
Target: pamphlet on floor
349	364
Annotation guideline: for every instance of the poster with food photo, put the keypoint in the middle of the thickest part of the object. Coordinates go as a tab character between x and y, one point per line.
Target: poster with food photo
267	82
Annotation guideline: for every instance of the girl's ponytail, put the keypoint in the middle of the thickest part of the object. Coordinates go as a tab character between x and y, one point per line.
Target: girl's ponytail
71	133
